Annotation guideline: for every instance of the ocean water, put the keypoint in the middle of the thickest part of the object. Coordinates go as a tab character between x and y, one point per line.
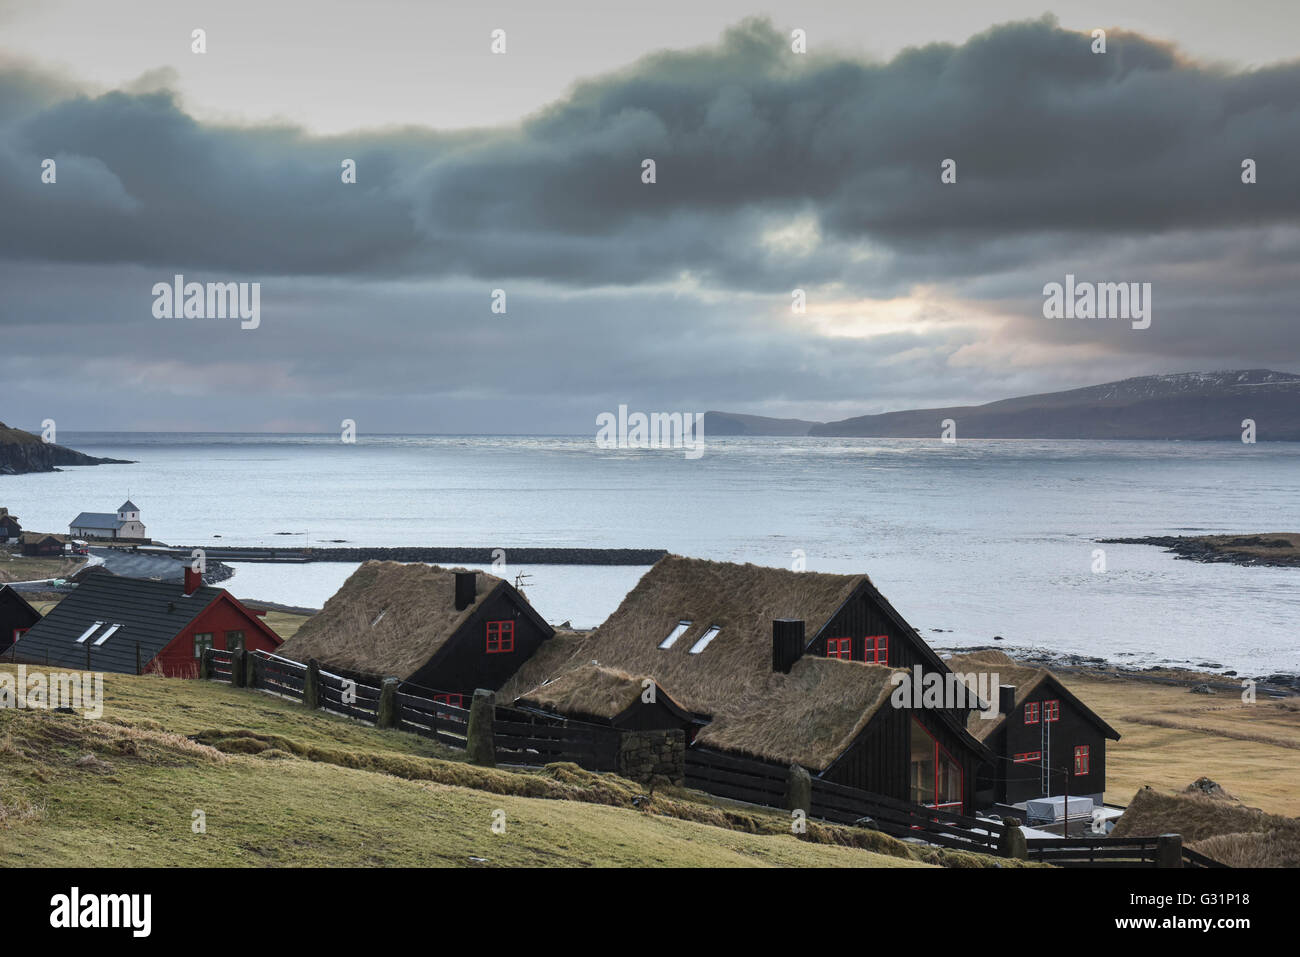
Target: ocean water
971	540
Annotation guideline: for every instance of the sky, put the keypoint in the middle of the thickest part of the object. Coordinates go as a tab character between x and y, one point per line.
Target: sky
523	172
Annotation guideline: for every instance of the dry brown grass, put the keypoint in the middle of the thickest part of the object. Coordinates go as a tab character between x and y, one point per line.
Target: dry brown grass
1283	542
589	691
810	715
47	731
741	599
1219	827
18	568
19	810
387	619
1256	849
1170	737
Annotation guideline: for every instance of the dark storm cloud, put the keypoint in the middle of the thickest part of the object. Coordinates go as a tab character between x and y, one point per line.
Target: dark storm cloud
1055	145
1116	167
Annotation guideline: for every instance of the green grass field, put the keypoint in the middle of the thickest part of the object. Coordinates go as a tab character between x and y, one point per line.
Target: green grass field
280	785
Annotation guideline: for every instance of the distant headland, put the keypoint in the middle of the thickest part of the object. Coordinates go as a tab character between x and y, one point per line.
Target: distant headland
1258	403
22	452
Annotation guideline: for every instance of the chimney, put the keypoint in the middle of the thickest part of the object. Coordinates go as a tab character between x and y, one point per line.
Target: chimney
787	643
193	581
1006	698
465	589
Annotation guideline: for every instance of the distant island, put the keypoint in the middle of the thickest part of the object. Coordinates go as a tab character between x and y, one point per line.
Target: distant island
1273	549
22	452
1189	405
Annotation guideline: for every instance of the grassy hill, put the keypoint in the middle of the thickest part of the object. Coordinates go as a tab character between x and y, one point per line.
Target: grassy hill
281	785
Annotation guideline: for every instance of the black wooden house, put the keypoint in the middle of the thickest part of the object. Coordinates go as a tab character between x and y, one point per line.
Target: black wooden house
16	616
1044	740
443	632
784	667
10	530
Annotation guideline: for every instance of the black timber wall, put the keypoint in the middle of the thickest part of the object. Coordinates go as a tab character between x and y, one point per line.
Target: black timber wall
1023	781
463	664
879	760
862	616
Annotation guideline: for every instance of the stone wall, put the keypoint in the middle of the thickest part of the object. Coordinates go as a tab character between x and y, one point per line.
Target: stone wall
653	756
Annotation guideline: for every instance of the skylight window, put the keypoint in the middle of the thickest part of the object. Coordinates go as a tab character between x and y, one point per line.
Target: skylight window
705	638
88	632
675	634
106	635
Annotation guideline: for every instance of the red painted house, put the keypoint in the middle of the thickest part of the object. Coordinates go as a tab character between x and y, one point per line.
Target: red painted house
110	624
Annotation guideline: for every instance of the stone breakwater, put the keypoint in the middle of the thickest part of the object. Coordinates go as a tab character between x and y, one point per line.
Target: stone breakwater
438	556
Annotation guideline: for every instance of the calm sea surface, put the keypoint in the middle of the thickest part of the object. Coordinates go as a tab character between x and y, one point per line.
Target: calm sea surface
979	538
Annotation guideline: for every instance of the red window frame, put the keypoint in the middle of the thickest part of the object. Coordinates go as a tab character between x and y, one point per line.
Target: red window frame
961	774
1031	713
876	649
1082	760
500	637
1052	710
455	700
841	648
19	632
1027	756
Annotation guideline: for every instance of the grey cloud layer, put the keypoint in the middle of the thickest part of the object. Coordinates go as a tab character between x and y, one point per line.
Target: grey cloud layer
1123	166
1051	141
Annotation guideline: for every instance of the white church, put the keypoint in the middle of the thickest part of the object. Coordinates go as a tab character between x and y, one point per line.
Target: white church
125	524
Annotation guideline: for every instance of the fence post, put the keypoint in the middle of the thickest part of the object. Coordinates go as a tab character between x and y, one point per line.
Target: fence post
205	665
387	714
798	790
250	670
480	738
1169	850
1012	841
311	685
237	668
137	657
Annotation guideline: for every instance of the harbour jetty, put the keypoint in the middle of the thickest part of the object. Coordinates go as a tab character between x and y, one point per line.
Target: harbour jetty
418	553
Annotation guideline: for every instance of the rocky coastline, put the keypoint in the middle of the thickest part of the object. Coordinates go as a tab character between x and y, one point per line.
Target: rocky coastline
1274	550
22	453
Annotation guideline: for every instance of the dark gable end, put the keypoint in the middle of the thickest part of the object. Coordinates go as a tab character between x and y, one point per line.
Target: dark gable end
404	620
462	663
867	612
1030	684
15	614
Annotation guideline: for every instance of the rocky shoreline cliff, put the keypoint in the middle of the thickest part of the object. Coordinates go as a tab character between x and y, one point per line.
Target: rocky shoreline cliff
22	452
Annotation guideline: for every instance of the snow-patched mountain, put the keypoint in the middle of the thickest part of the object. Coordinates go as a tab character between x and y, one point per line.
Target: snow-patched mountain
1188	405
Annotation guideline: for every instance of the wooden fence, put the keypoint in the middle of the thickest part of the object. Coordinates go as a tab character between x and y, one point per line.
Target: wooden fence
279	676
1163	851
759	782
740	779
846	805
219	664
442	722
763	783
520	737
523	737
